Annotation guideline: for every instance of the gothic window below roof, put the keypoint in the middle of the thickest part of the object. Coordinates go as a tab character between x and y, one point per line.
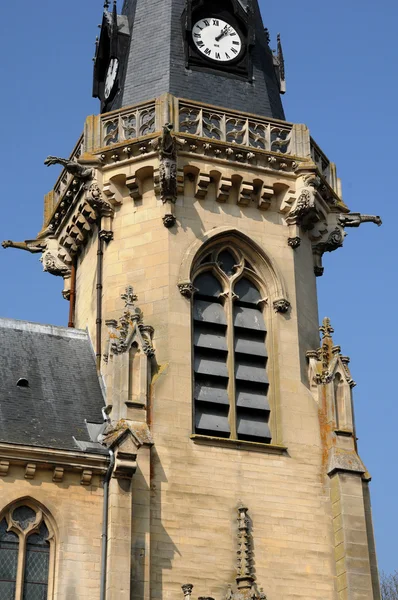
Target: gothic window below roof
230	355
26	547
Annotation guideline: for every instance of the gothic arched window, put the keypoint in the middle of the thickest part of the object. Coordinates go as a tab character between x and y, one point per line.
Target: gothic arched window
230	355
26	541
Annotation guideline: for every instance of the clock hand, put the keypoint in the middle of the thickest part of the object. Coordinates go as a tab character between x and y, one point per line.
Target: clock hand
223	33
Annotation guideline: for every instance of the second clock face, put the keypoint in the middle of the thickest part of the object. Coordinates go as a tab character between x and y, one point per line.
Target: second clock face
111	77
217	40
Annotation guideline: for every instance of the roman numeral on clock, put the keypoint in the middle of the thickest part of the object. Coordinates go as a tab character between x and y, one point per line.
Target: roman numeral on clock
218	55
197	35
234	50
200	44
227	55
206	23
208	51
216	23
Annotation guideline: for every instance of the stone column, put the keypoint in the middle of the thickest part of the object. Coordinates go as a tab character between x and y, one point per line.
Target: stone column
353	566
119	540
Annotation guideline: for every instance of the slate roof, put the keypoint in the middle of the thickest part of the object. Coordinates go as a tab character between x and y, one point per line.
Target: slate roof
156	64
64	391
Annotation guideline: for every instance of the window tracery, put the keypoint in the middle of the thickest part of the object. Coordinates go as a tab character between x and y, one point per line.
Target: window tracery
231	386
26	551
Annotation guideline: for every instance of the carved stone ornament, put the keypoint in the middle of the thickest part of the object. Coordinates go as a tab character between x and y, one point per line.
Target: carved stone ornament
54	265
130	324
167	145
334	240
96	200
281	305
294	242
356	219
304	211
169	220
187	289
73	167
324	359
33	246
245	588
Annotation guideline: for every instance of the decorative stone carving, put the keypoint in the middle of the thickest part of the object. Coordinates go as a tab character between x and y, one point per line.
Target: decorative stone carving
356	219
281	305
294	242
54	265
97	202
33	246
246	588
334	241
187	589
304	211
323	360
71	166
319	270
130	324
329	373
106	235
169	220
187	289
167	145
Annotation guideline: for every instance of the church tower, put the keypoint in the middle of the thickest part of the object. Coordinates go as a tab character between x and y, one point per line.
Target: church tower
189	225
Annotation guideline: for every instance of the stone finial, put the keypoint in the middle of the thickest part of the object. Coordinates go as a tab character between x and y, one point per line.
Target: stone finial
130	323
129	297
326	329
245	575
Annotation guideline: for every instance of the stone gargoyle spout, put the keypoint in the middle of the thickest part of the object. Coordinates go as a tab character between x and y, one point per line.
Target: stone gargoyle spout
34	246
71	166
356	219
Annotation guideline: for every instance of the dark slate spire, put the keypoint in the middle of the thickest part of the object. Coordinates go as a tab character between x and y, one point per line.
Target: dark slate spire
156	60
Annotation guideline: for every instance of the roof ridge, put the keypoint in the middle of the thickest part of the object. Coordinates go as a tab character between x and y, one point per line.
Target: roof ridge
31	327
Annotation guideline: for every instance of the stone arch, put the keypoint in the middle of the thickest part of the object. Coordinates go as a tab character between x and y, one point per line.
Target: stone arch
23	530
267	269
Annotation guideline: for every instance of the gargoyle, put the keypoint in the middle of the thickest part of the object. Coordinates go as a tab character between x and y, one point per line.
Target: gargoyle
71	166
356	219
32	246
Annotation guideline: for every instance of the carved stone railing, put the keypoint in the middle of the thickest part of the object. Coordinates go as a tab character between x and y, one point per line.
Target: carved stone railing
232	128
65	178
128	124
326	168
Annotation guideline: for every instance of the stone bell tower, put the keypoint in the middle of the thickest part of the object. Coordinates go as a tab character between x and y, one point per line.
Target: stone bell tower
189	225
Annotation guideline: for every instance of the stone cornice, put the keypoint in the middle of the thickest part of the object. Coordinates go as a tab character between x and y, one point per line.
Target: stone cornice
60	461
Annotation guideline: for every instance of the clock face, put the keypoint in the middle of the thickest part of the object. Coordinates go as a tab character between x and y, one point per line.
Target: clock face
111	77
217	40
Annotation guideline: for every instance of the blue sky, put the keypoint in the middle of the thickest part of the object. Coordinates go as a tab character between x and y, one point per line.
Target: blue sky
342	82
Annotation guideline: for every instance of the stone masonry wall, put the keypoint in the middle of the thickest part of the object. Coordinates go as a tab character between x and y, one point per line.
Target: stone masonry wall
77	513
195	488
